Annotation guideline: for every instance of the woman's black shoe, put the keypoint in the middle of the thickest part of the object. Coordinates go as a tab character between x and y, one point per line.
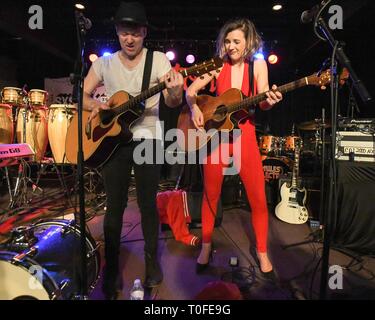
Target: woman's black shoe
269	275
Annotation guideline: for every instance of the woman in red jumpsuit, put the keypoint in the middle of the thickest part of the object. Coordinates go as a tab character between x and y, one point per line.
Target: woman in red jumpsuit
237	43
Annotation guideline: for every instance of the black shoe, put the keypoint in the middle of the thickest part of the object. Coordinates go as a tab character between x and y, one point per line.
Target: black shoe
269	275
201	267
154	274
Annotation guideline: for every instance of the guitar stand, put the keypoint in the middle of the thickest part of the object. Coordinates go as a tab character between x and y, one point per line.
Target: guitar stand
316	239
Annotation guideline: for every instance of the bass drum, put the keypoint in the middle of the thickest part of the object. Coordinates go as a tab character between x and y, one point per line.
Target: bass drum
42	262
275	167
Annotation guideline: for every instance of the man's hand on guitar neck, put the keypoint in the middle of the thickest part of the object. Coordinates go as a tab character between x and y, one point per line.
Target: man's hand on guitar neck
96	107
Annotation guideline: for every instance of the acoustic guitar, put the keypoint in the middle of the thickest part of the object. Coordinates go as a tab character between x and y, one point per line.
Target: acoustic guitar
112	127
220	113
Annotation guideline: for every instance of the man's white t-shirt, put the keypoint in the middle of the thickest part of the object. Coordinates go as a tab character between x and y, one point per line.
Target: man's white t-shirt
115	76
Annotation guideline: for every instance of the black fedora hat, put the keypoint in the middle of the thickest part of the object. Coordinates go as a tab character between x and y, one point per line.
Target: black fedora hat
131	13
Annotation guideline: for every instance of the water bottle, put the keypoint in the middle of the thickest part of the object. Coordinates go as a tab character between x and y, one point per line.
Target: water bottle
137	292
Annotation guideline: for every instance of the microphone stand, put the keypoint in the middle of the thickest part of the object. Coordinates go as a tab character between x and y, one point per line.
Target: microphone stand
338	55
77	79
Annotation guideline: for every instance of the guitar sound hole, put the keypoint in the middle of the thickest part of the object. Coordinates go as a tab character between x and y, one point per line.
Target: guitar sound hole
106	116
220	114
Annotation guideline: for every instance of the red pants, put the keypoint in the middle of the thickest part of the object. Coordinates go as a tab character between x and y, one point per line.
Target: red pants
252	176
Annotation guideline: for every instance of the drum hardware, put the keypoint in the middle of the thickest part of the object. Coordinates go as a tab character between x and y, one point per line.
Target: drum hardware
21	256
51	263
22	237
314	125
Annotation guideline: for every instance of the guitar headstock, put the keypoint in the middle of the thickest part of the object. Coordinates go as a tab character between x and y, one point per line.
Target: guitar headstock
205	67
323	78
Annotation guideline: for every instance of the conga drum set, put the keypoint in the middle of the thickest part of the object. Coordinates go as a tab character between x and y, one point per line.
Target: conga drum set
26	118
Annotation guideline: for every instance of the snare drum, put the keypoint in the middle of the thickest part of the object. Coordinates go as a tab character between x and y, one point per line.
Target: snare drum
59	118
270	145
43	262
6	124
38	97
11	95
35	121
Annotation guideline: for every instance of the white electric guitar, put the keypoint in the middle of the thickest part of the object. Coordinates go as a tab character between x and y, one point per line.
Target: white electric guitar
291	208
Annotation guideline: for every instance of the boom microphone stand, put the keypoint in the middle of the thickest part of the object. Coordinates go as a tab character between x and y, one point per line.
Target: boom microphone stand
82	25
338	55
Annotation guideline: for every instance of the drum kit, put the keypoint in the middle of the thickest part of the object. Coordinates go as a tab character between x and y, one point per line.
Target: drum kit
278	152
41	260
44	258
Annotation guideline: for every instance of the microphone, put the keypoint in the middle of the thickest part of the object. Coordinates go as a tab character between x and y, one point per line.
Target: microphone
309	15
84	22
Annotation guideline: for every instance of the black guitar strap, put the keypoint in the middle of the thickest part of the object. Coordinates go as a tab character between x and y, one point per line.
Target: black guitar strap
147	70
251	75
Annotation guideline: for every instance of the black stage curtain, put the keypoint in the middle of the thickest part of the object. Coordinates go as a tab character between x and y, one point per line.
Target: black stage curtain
354	225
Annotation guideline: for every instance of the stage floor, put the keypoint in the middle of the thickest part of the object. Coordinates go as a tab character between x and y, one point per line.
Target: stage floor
296	267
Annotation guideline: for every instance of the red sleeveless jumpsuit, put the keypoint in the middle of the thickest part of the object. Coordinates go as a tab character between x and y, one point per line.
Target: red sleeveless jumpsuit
251	170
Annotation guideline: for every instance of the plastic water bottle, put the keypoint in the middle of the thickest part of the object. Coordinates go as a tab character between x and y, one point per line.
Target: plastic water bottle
137	292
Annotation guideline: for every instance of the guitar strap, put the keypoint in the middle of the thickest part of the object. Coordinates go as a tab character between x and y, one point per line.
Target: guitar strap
251	75
147	70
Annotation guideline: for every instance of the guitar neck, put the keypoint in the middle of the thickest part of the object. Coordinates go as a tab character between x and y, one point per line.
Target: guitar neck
251	101
148	93
295	168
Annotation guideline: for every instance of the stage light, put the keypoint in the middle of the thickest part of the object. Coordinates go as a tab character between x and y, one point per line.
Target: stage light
170	55
190	58
259	55
106	53
79	6
273	58
93	57
277	7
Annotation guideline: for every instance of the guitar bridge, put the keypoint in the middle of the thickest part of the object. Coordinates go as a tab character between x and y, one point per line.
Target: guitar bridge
88	130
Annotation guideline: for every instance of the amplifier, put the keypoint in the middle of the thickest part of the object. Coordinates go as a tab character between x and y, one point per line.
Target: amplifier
355	146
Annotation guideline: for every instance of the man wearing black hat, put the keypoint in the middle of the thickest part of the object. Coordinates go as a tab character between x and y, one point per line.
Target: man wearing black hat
124	70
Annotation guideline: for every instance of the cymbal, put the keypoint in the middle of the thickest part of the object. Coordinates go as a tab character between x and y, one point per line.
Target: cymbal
314	125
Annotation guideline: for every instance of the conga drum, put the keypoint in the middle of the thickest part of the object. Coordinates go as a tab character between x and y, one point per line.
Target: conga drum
6	124
35	122
59	118
11	95
38	97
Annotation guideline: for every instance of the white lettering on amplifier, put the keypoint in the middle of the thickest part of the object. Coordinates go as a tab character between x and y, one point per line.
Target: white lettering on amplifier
358	150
